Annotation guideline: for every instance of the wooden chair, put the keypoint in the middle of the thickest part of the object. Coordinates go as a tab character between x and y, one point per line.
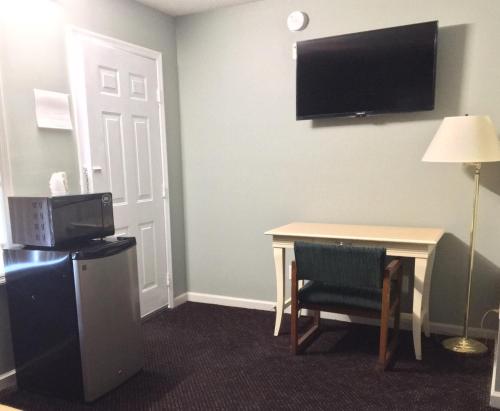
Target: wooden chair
348	280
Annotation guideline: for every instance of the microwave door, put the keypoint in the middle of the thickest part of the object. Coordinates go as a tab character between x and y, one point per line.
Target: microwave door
77	220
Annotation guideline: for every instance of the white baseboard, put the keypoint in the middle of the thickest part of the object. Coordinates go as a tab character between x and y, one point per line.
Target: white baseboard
406	324
494	394
8	380
436	328
180	299
230	301
495	399
452	329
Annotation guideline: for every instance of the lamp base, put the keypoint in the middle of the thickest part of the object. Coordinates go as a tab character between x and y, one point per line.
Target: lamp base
464	345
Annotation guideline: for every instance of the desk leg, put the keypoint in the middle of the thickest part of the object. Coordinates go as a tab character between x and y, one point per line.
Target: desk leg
426	296
279	266
418	292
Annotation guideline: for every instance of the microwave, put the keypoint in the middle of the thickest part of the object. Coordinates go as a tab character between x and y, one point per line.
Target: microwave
52	221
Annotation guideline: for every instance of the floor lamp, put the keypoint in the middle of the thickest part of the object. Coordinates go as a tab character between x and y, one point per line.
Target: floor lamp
472	140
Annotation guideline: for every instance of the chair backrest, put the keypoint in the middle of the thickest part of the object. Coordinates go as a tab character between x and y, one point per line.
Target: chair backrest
340	265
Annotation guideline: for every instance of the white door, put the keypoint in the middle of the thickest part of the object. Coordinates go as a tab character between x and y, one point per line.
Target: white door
125	153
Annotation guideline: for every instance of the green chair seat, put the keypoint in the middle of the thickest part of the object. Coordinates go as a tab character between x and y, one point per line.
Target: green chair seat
316	292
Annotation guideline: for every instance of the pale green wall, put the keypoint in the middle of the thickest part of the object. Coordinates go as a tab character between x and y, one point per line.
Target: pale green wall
33	56
248	166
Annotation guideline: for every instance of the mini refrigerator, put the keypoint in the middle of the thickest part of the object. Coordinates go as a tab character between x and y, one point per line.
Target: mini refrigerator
75	317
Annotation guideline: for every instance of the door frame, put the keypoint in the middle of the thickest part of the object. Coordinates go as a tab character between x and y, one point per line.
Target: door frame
74	56
6	187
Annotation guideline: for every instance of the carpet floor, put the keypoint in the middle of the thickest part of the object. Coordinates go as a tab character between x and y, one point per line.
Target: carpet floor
206	357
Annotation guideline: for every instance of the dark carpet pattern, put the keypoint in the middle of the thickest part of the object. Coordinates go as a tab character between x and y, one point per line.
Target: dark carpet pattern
205	357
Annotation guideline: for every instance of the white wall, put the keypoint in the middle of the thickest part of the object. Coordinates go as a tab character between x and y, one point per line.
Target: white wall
33	55
249	166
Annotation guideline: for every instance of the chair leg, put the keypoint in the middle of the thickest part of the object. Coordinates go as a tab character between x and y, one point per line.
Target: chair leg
310	335
317	317
384	323
397	317
300	285
297	344
387	350
294	335
397	313
384	332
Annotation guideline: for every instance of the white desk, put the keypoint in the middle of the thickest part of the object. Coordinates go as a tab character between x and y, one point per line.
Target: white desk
417	243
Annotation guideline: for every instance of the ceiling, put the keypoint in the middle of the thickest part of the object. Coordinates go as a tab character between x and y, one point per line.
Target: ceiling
181	7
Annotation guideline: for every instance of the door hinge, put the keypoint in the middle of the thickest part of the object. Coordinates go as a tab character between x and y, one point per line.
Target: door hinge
86	182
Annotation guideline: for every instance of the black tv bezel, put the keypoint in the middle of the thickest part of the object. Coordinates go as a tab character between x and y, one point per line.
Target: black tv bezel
360	114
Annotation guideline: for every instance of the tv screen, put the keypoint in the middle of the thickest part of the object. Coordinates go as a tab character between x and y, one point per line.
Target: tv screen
371	72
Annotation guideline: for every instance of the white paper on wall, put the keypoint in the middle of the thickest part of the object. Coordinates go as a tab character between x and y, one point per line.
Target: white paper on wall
52	110
58	183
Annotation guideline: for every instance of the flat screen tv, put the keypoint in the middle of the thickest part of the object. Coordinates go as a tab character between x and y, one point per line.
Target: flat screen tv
371	72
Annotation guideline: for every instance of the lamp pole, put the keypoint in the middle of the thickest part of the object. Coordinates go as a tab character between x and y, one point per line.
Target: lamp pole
465	344
471	140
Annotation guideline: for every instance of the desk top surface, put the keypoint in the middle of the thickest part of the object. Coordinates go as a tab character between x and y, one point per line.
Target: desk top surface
414	235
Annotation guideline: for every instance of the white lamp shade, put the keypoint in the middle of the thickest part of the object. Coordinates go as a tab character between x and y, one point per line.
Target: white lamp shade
464	139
